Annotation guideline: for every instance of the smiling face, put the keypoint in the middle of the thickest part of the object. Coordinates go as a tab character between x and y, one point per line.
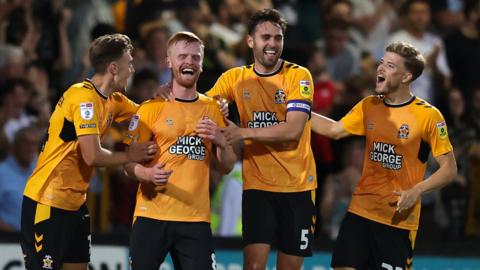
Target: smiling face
391	74
185	59
267	45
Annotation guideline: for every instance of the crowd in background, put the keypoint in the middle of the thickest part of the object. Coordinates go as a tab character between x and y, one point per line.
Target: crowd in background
44	45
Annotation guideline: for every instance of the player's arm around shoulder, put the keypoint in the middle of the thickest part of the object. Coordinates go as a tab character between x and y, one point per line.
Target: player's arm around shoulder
95	155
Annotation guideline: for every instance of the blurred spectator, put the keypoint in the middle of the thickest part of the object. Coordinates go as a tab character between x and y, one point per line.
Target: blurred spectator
454	196
338	188
16	95
473	218
373	21
12	62
463	50
143	86
447	15
416	14
226	204
155	43
341	60
14	172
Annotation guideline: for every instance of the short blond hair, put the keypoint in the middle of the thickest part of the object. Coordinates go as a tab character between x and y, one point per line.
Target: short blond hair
414	60
184	36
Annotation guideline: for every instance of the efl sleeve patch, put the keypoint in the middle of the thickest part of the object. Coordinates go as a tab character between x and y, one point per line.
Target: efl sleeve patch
134	122
86	110
299	105
442	130
306	89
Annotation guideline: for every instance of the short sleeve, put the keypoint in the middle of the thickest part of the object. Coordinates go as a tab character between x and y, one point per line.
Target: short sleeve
300	92
224	86
124	107
353	120
437	134
84	111
140	127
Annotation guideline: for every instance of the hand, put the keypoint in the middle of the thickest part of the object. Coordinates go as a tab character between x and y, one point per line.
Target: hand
207	129
165	91
232	132
157	174
432	57
141	152
408	198
223	104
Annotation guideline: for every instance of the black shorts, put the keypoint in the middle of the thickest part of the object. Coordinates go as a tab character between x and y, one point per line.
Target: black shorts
287	219
367	244
190	244
51	236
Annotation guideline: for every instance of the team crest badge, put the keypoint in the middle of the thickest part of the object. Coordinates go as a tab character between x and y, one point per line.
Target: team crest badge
47	262
169	122
134	122
403	132
306	89
280	97
246	94
442	130
86	110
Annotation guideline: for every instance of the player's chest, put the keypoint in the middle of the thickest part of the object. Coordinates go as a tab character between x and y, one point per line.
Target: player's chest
398	129
259	92
106	115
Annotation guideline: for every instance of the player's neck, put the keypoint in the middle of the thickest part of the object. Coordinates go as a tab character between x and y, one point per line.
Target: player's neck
103	84
261	69
401	96
182	92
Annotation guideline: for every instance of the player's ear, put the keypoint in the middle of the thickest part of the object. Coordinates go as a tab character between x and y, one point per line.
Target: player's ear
169	63
407	77
113	68
250	41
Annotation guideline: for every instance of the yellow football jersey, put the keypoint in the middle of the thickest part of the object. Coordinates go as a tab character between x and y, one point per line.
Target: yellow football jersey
61	177
262	101
172	126
398	141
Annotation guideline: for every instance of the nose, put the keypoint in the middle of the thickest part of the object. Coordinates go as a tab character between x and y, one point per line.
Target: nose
380	67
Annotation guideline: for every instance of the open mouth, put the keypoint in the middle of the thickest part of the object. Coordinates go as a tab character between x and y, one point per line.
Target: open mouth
187	71
270	52
380	78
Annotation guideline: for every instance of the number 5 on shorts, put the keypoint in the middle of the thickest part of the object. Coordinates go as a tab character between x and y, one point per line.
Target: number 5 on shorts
304	239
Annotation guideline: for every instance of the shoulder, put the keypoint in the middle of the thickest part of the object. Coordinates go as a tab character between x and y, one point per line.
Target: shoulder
154	102
292	68
209	101
426	109
80	91
119	97
237	71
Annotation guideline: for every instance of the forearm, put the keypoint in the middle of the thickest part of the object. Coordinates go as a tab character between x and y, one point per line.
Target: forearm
442	177
276	133
225	158
105	157
327	127
135	170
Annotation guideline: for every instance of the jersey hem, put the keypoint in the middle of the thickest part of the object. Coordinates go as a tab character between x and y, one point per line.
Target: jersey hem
382	221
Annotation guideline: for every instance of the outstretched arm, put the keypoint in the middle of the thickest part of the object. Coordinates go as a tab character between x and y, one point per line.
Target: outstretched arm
328	127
